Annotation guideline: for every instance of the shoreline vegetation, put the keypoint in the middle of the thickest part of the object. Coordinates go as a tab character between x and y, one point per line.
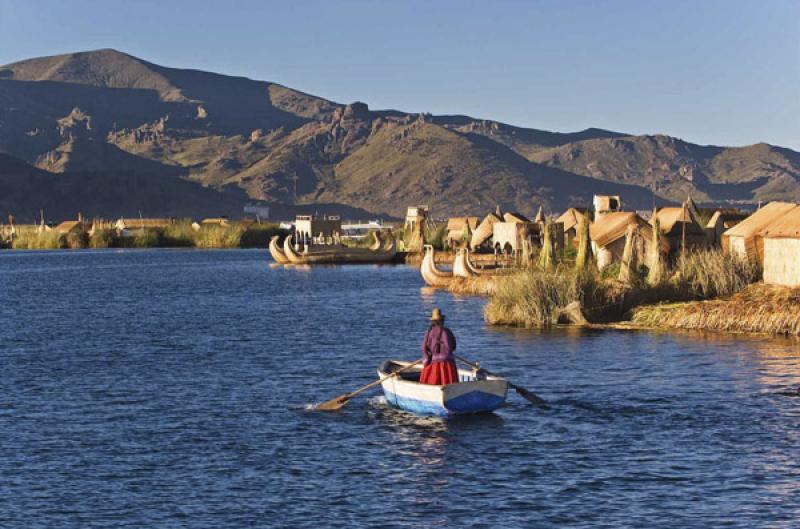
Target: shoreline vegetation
707	289
178	235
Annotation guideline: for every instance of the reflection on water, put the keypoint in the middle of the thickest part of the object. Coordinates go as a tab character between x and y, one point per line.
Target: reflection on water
168	389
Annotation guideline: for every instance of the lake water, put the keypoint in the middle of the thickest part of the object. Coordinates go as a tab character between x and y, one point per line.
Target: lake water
167	389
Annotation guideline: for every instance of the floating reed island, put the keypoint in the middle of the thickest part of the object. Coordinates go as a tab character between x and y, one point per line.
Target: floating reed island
686	267
139	233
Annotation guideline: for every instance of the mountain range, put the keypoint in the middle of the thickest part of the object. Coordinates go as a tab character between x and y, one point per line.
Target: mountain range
109	134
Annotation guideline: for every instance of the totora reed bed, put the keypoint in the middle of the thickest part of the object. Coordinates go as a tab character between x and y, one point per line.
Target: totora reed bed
705	289
758	308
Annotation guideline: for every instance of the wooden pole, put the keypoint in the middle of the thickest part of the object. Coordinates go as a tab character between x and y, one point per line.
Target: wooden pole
683	232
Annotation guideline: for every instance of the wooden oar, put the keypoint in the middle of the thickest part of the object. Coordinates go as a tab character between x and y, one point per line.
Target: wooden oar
336	403
522	392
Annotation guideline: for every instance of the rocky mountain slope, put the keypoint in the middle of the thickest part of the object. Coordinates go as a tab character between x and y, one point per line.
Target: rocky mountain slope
103	114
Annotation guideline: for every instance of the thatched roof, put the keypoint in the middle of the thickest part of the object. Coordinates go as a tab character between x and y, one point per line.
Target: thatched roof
786	227
484	231
572	218
671	218
68	226
760	220
135	224
514	217
668	217
729	218
614	226
458	223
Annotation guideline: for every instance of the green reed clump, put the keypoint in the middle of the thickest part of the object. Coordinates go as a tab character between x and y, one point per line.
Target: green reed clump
436	236
259	235
535	298
77	240
178	235
31	239
144	238
102	238
219	236
709	273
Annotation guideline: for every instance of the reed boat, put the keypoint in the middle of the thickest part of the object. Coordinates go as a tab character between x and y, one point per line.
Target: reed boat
474	393
275	251
463	267
381	251
432	275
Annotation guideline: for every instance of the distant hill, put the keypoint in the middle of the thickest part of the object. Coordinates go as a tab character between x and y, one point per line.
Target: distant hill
210	142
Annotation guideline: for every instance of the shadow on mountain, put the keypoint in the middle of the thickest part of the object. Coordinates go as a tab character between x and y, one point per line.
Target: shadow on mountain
24	190
568	189
742	191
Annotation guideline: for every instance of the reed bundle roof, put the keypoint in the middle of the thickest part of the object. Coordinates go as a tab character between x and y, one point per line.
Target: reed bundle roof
728	217
614	226
572	218
786	226
514	217
760	220
484	231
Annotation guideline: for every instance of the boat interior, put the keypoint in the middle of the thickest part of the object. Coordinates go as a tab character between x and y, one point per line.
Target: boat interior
413	375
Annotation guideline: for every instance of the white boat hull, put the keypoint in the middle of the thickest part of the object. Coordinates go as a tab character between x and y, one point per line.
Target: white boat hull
469	396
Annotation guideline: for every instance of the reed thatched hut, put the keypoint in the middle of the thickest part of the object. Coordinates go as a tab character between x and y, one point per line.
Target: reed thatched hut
509	236
571	220
608	235
720	221
677	224
481	236
781	243
458	227
745	240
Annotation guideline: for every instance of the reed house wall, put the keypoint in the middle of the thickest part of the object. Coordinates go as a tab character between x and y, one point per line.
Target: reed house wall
782	262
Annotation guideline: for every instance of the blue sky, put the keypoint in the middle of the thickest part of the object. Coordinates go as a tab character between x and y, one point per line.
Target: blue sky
711	72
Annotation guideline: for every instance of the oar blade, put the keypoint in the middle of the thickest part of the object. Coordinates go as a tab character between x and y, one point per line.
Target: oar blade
333	404
530	397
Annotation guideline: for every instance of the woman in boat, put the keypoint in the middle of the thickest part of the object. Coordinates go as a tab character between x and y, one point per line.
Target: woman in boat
438	353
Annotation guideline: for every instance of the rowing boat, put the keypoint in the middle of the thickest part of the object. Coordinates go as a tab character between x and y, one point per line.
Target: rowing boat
474	393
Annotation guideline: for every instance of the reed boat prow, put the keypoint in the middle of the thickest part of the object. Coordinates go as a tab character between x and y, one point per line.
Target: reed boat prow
430	274
377	244
474	393
275	251
390	245
460	265
290	253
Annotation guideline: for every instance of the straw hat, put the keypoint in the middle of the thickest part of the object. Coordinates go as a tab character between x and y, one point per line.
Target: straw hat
436	315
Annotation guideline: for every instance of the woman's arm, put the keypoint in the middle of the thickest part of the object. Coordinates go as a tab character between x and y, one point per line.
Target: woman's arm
426	355
451	341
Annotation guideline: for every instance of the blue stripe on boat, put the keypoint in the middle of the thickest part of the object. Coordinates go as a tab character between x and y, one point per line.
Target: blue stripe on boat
472	402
